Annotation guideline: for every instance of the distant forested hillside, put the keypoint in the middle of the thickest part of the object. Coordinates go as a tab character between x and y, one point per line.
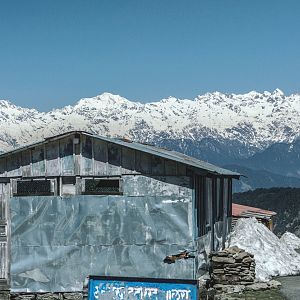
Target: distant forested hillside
284	201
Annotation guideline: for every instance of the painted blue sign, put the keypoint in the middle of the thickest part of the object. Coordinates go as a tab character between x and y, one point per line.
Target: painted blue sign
109	288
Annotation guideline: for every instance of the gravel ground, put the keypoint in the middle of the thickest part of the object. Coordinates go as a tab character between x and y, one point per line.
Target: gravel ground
290	287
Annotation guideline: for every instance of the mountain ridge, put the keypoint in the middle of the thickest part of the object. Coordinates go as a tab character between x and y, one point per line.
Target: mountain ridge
255	120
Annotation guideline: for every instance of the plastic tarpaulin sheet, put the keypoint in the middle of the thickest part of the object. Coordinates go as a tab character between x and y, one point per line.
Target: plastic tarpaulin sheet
56	242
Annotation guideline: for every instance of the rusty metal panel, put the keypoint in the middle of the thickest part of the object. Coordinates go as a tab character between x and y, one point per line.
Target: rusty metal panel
52	159
100	157
87	156
56	242
67	156
38	161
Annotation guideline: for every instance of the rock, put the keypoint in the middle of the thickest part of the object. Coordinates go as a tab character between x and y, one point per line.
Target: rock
247	260
49	296
218	271
257	286
233	250
4	295
227	260
229	289
221	253
274	284
240	256
22	297
246	282
248	278
235	268
234	265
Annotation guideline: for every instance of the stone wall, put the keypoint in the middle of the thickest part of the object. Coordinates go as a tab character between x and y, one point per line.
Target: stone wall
232	266
47	296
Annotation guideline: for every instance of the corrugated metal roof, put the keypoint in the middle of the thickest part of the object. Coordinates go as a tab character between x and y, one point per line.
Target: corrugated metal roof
239	210
164	153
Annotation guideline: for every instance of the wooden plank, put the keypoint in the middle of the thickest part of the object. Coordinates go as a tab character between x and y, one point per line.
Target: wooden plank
66	156
128	161
13	164
87	156
114	159
2	203
38	161
100	157
52	159
143	162
3	260
26	163
181	169
158	165
2	167
170	167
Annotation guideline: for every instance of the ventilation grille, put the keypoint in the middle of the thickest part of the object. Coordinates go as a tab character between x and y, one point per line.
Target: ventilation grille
102	187
34	188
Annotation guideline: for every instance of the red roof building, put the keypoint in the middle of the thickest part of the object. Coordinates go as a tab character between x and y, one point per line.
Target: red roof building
243	211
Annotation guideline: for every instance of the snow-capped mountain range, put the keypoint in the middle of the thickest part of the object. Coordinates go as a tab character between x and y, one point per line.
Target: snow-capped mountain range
254	120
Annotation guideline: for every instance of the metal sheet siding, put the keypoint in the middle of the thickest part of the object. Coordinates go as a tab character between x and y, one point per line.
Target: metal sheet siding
56	242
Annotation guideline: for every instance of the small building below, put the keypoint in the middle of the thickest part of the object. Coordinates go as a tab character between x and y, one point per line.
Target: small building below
242	211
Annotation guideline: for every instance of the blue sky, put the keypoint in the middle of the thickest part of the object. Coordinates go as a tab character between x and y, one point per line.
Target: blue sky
53	52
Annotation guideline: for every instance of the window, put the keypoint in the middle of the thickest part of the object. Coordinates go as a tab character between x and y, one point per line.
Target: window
33	188
103	187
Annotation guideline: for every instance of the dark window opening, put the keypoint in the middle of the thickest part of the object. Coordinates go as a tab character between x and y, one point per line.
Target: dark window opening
102	187
34	188
69	180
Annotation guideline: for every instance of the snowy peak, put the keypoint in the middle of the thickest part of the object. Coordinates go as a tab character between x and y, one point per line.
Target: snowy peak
254	119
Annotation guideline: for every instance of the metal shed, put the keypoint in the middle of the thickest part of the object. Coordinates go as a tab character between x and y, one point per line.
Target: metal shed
78	204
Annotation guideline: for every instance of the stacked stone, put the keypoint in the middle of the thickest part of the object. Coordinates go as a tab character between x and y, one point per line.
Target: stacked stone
47	296
232	266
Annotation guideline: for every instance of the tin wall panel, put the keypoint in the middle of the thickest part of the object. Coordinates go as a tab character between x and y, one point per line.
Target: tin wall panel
140	185
56	242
